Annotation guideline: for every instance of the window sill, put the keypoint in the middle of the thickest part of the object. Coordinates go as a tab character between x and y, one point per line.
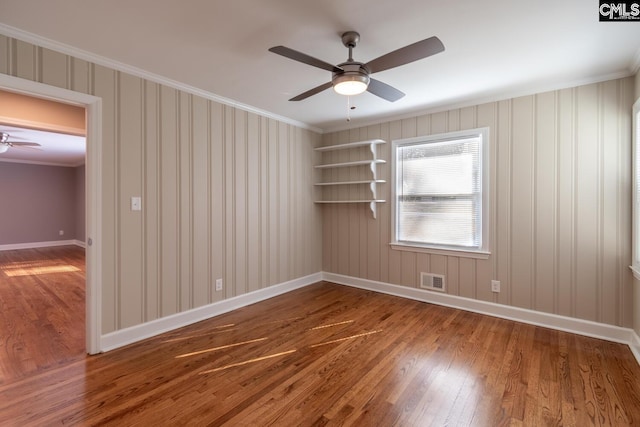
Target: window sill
636	271
437	251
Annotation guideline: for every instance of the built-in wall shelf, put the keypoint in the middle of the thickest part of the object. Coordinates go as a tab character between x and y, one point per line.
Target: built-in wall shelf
348	164
363	177
370	181
371	142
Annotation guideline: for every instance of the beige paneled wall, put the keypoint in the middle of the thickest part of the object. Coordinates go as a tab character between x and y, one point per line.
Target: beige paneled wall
226	193
560	205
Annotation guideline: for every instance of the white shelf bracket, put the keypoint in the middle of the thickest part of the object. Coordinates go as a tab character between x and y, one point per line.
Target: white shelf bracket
373	208
372	166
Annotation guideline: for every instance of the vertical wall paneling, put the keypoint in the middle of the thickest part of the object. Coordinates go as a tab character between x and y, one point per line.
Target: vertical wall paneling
104	84
200	196
218	258
226	193
274	201
283	200
265	175
151	202
565	170
545	184
229	201
559	205
239	167
25	63
184	196
587	200
130	225
608	295
80	75
394	257
522	208
53	68
502	190
169	238
253	153
6	55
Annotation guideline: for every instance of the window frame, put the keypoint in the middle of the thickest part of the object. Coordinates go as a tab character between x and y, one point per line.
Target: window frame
635	209
483	251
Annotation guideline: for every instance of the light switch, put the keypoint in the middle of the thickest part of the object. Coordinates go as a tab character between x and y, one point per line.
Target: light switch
136	203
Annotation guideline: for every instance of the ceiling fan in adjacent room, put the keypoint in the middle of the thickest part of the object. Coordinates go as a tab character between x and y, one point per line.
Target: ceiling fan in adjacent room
5	144
353	77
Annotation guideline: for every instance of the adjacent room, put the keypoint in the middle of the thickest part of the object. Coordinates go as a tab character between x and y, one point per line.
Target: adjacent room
339	213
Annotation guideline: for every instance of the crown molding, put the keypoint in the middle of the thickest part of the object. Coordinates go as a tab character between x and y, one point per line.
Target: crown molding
635	63
44	42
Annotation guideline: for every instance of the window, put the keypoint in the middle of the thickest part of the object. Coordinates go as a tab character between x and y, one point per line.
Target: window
635	263
440	199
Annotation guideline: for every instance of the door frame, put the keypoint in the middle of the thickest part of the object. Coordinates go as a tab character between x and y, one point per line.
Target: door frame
93	192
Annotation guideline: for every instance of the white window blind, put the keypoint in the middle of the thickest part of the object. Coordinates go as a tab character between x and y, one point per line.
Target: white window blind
439	191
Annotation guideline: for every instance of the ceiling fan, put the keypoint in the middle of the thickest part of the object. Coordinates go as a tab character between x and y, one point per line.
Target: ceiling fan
5	144
353	77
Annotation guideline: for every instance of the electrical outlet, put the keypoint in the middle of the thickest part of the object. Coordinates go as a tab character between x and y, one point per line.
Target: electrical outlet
61	232
218	285
495	286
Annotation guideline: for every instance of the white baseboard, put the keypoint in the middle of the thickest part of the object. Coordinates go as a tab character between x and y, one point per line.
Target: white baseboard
547	320
33	245
634	345
130	335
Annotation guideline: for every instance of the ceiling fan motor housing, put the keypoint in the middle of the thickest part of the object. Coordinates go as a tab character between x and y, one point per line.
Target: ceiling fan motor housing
353	71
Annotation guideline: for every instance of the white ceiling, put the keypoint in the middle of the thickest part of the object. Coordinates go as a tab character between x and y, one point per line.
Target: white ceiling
55	149
494	50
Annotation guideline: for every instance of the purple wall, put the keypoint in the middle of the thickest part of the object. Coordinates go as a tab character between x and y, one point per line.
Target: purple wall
80	204
36	202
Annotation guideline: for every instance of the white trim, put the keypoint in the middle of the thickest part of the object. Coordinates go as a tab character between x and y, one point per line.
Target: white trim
635	213
134	71
635	63
634	345
439	251
483	134
136	333
34	245
537	318
93	188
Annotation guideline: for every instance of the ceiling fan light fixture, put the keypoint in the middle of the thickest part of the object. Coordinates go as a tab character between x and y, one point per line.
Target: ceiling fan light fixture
350	84
3	148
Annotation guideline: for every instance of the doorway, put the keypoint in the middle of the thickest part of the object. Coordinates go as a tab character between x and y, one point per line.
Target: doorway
93	190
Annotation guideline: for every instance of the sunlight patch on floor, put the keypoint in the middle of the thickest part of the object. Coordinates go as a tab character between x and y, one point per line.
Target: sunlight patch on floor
345	339
222	347
37	270
246	362
331	325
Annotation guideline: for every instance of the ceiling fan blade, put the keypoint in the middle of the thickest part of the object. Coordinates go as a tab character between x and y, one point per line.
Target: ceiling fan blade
304	58
407	54
25	144
384	91
311	92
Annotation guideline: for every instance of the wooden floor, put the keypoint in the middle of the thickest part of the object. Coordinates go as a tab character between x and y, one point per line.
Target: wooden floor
42	314
322	355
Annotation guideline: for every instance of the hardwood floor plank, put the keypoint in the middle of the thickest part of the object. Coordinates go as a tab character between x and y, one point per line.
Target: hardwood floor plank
323	355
